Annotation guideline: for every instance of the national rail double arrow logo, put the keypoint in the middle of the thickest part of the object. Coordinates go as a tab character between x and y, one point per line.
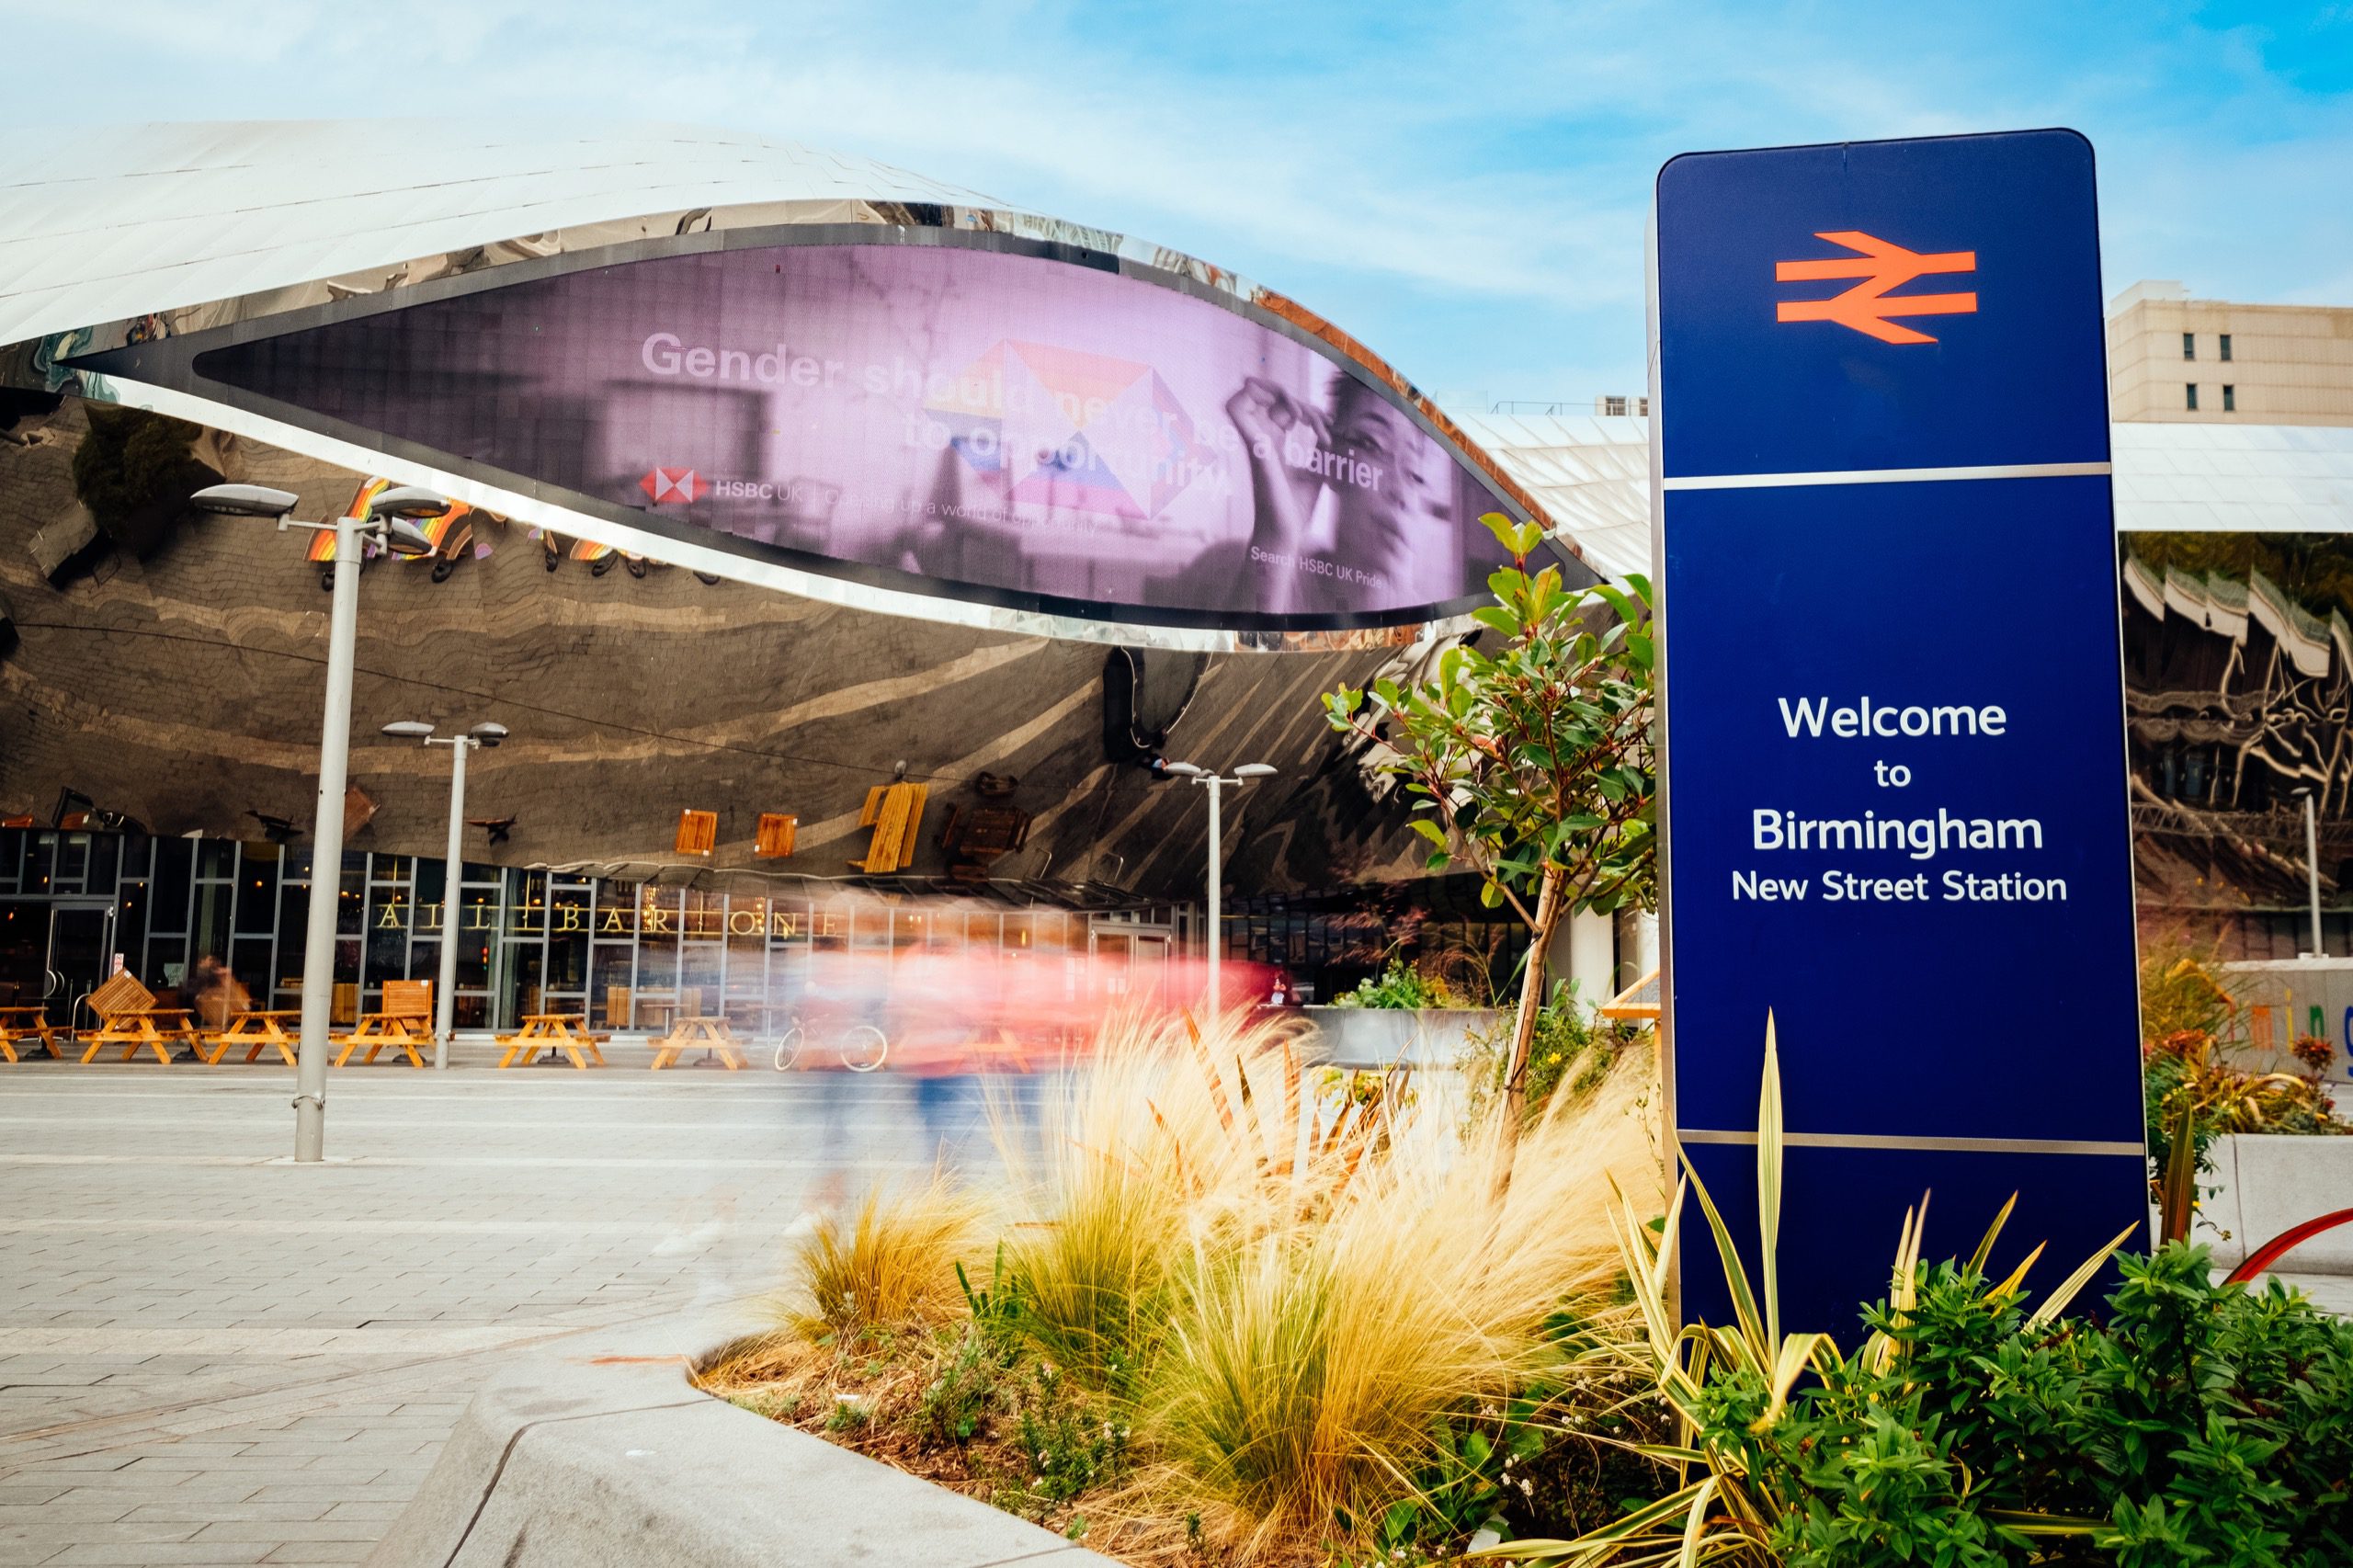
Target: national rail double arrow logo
1867	307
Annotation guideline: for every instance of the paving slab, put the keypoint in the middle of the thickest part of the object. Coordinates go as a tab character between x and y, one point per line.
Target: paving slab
202	1333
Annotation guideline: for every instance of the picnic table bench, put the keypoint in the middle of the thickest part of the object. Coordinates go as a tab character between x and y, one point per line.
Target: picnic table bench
895	813
710	1033
566	1032
27	1023
403	1023
128	1018
257	1030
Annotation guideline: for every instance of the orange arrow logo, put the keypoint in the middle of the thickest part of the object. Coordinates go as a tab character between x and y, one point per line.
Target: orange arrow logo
1883	266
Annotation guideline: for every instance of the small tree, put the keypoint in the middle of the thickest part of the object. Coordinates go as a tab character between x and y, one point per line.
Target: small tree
1532	759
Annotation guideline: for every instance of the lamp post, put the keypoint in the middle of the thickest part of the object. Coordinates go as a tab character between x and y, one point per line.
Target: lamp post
2311	862
391	523
1217	783
445	989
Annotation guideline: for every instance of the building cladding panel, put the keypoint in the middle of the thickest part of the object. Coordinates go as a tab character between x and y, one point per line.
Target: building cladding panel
182	690
2290	363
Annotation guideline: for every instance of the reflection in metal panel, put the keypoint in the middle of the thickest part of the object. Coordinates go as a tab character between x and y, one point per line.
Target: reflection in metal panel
966	416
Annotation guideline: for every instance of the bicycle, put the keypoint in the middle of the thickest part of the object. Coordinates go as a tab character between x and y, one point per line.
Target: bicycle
862	1048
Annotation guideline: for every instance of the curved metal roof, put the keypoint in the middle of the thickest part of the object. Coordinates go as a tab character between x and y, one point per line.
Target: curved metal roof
1591	472
1593	476
2233	477
117	234
102	223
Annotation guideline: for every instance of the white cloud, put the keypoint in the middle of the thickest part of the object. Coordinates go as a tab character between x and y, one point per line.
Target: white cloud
1463	179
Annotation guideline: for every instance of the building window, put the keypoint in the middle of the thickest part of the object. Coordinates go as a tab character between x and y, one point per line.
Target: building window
2230	400
2226	341
2189	345
2190	394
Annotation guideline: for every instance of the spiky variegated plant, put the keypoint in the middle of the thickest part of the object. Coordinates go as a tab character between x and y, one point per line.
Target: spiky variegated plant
1722	1512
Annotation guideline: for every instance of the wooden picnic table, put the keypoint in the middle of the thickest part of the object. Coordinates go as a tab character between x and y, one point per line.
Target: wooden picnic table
712	1034
156	1029
28	1022
403	1023
407	1032
257	1030
566	1032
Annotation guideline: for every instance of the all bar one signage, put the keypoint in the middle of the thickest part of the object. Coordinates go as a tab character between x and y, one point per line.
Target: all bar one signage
653	920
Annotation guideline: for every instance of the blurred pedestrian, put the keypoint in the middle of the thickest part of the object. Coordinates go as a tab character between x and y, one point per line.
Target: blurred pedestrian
212	994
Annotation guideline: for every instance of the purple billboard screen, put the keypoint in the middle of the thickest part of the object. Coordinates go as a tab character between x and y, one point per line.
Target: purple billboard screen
999	424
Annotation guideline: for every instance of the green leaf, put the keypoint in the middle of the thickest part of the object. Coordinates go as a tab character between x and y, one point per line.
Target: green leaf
1498	618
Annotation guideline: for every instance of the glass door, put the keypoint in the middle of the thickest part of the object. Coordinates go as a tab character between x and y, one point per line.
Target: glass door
24	953
81	955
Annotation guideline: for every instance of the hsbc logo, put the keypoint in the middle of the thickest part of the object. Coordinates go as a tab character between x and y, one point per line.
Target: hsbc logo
682	486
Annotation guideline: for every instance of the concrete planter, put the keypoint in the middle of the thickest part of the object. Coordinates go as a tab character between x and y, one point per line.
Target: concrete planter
595	1452
1378	1036
2269	1183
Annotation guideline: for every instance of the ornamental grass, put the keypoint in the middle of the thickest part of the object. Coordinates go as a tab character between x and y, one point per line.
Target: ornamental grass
1317	1356
1229	1312
890	1263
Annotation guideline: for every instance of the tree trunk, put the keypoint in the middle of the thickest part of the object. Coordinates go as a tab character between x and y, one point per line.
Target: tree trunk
1533	984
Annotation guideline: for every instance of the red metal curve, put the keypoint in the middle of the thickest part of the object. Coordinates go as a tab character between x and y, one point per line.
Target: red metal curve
2287	1241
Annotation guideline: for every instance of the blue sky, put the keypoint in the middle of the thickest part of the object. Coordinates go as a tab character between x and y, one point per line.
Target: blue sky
1461	187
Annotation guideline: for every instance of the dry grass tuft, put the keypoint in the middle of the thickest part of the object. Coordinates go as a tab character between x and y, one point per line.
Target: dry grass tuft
1288	1300
1311	1367
890	1263
1165	1139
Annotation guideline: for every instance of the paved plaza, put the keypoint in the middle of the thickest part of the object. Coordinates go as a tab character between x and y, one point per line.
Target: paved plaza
212	1356
215	1356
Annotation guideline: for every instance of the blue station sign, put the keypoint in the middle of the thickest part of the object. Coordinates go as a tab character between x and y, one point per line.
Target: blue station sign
1894	769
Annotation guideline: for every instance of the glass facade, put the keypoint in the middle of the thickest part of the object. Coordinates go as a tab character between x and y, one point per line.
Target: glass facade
1325	943
628	955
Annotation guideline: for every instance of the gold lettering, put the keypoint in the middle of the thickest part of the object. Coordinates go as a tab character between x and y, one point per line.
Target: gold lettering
572	914
432	912
613	923
780	925
829	928
391	919
735	922
657	923
481	922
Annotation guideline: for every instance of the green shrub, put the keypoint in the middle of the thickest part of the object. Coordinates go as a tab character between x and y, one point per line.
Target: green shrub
2202	1423
1402	986
2192	1423
2191	1024
1573	1047
955	1402
1075	1446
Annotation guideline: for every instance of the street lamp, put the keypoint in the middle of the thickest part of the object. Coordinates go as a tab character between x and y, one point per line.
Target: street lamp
2311	862
1217	784
390	522
445	990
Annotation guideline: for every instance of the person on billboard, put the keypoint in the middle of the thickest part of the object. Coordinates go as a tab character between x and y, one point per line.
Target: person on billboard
1395	537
